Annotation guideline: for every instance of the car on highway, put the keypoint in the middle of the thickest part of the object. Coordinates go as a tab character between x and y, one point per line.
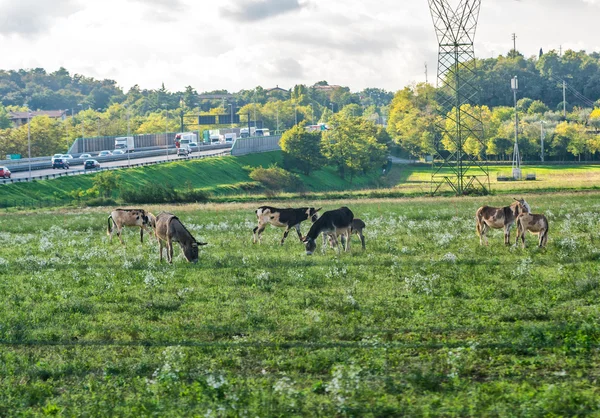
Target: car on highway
60	163
55	156
67	156
91	164
4	172
193	146
183	152
104	154
118	152
82	156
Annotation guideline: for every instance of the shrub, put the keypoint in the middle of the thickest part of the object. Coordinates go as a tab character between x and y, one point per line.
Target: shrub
163	194
275	178
156	193
99	201
105	183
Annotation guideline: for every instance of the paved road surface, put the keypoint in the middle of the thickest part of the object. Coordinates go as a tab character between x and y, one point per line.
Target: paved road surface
172	157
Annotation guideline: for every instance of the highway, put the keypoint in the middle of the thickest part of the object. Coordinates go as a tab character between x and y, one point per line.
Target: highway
77	169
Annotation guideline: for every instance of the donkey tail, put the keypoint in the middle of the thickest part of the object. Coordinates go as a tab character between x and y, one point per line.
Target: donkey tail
109	227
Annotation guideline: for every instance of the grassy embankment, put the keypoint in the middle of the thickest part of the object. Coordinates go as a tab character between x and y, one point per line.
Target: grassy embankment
424	323
225	179
222	176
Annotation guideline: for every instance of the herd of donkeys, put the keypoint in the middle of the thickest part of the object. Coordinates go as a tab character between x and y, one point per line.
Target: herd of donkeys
333	224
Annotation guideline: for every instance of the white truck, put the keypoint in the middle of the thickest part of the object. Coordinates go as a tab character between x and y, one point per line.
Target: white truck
125	143
230	137
185	139
262	132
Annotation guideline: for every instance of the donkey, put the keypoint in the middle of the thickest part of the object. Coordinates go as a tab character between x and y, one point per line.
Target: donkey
334	222
488	217
170	229
536	224
284	218
357	227
129	217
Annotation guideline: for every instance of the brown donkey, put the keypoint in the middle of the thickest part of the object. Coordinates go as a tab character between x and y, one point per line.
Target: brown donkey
488	217
536	224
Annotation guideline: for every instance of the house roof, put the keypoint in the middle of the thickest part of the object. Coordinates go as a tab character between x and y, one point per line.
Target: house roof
276	88
49	113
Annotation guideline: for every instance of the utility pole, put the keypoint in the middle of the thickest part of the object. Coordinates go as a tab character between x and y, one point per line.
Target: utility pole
514	38
181	105
29	140
166	131
82	133
516	164
426	76
128	134
565	99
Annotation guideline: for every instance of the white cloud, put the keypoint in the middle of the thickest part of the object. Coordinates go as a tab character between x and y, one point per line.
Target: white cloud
241	44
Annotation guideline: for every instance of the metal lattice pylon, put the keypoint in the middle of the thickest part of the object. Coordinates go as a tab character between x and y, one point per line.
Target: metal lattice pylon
460	122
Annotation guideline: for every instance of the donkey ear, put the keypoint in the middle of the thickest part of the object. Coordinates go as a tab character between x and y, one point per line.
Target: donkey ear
201	243
316	210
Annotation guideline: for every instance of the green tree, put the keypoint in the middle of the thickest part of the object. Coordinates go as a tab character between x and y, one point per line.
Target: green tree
301	149
537	107
412	119
105	183
351	145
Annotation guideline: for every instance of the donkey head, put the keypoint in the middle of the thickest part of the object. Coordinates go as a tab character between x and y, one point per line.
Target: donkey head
522	206
310	245
190	251
312	214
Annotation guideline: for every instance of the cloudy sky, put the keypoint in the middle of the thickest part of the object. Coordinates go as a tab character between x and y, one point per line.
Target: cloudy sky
236	44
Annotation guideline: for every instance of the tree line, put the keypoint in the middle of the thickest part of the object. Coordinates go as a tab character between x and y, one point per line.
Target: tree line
101	108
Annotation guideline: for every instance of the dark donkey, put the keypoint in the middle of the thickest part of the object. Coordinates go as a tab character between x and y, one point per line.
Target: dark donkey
283	218
334	223
170	229
488	217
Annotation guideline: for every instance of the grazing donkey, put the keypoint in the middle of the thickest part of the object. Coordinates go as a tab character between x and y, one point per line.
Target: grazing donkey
488	217
170	229
282	218
356	228
536	224
334	222
129	217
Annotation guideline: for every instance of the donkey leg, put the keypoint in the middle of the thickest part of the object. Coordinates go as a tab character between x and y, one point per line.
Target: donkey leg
142	234
362	239
484	229
298	232
285	234
545	239
259	230
170	251
119	233
254	235
507	235
335	242
160	249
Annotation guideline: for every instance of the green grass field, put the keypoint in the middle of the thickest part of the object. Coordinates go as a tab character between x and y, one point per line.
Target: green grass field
424	323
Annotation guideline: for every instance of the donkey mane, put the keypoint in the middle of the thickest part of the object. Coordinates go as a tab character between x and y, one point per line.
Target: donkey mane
183	226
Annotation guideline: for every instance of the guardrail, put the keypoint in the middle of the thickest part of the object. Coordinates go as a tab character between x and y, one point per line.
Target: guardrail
45	162
95	170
